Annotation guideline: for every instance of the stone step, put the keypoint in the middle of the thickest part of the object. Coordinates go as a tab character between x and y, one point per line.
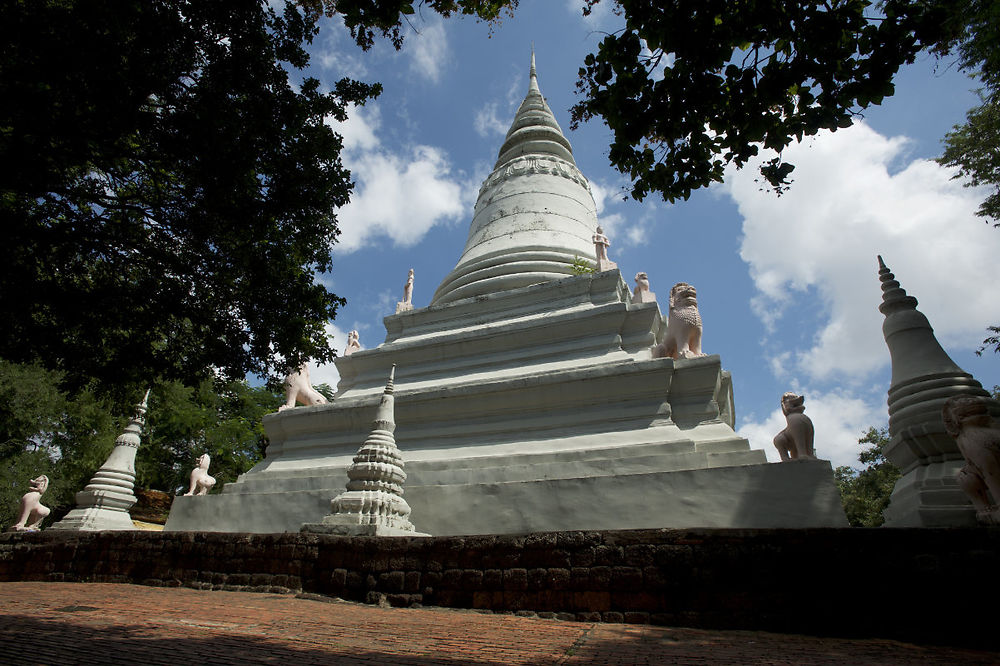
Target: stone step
667	457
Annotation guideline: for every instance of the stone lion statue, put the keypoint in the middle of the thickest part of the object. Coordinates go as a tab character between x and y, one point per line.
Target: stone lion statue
795	442
967	419
683	339
299	389
641	293
33	512
201	482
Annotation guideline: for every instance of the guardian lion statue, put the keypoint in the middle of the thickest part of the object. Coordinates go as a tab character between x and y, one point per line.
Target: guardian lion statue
33	512
201	482
795	442
967	419
298	389
683	339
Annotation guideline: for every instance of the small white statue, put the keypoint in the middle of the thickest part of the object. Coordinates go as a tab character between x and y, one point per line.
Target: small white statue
683	338
641	293
201	482
795	442
299	389
967	419
33	512
601	245
407	302
352	343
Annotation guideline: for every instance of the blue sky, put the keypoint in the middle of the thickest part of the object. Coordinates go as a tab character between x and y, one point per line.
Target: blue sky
787	286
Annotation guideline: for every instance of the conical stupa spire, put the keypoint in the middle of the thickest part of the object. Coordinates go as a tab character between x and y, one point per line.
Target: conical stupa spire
104	503
914	350
532	75
535	129
535	214
894	297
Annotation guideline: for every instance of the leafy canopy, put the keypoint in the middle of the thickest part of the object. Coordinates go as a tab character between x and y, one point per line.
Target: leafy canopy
368	18
865	493
166	190
689	87
67	438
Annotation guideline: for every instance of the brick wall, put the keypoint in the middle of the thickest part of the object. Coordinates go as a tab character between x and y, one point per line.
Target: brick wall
921	585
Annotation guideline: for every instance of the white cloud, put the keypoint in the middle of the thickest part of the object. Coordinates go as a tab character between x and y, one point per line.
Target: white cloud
400	195
839	419
333	49
487	122
428	49
602	16
813	250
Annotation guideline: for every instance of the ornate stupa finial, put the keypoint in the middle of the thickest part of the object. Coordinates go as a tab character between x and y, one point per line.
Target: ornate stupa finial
893	296
923	377
373	503
532	75
104	503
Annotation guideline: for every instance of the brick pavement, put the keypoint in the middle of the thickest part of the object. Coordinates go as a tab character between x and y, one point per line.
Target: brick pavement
94	623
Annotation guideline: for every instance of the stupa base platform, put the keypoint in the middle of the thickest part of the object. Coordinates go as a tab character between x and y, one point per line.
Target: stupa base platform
799	494
94	519
359	530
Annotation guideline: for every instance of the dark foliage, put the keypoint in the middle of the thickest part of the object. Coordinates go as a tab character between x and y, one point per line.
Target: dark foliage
167	194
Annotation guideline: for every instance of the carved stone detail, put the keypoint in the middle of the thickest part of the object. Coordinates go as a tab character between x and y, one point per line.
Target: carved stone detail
683	337
201	482
968	420
32	511
535	164
299	389
641	293
795	442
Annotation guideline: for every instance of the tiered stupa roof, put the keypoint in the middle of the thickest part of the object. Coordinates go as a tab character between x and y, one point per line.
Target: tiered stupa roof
535	214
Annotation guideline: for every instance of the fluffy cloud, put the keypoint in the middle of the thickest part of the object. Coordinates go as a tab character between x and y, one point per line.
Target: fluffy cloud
602	16
428	49
813	250
397	195
839	418
487	121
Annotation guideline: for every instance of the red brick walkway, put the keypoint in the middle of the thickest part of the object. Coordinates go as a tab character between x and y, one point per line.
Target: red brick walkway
75	623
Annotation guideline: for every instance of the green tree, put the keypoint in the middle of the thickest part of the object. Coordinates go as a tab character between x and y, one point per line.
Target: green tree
46	432
865	493
167	191
224	421
691	86
367	19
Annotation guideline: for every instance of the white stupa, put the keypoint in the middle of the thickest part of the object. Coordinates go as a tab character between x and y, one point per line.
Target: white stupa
527	398
104	503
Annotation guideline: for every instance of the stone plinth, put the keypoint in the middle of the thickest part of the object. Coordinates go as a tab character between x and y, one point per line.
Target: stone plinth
541	407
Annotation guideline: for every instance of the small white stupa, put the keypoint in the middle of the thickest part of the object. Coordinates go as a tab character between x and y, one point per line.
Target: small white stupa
923	378
373	504
104	503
